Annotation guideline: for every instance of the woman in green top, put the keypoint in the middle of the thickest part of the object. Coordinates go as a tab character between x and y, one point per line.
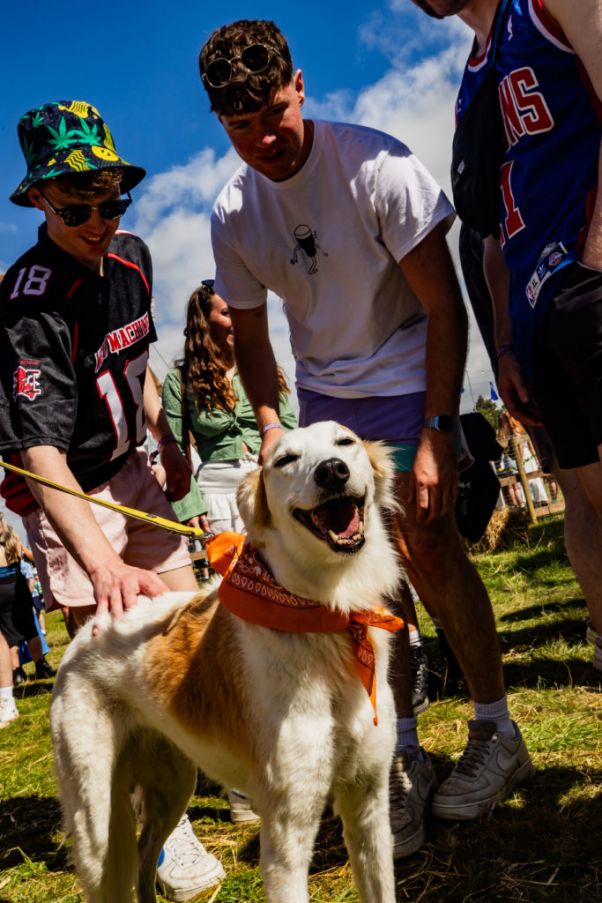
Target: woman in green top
217	413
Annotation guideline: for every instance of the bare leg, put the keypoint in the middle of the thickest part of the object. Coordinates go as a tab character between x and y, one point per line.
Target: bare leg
35	648
400	677
452	591
406	603
76	617
180	579
582	489
6	667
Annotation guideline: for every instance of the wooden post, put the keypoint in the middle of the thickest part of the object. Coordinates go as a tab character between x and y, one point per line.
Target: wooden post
518	457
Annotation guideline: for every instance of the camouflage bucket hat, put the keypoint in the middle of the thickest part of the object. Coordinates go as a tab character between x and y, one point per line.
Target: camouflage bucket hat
66	137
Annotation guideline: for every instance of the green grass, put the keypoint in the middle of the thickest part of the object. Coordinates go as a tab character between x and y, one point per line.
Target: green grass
543	844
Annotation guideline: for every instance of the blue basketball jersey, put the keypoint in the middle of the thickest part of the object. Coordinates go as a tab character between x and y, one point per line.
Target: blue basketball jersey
552	122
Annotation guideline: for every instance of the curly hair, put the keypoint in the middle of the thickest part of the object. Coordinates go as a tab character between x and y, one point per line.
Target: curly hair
246	93
205	370
10	541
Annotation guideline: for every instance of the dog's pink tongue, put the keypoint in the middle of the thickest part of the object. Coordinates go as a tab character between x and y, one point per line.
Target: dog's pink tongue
342	517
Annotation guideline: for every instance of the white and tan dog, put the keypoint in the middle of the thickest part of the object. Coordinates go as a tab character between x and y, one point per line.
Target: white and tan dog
283	716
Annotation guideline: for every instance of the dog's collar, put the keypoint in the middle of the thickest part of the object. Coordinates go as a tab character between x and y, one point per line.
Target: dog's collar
250	592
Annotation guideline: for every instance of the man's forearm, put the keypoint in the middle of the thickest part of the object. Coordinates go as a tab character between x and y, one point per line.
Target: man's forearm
71	517
446	346
429	270
260	379
497	278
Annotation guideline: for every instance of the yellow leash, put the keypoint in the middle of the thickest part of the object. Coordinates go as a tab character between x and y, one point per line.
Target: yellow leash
162	522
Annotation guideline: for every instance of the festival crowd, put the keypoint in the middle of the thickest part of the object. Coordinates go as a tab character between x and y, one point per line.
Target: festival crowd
349	228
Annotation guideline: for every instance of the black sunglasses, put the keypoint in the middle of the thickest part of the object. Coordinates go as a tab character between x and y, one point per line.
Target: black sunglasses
254	59
208	283
77	214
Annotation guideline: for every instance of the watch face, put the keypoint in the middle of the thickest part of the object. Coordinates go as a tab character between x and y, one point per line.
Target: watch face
441	422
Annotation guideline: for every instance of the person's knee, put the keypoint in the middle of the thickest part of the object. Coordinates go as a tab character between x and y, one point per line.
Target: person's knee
430	545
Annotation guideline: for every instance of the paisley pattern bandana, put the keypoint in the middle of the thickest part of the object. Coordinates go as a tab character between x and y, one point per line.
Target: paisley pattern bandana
250	592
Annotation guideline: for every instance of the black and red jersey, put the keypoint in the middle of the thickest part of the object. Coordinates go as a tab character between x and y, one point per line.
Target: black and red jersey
73	355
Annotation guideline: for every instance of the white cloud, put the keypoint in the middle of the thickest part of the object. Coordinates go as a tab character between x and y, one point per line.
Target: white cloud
172	216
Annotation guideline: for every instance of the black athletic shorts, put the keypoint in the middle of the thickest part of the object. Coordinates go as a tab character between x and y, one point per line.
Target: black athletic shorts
16	611
568	367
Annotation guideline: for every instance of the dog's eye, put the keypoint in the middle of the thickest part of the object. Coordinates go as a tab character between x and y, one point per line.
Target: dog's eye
347	440
285	459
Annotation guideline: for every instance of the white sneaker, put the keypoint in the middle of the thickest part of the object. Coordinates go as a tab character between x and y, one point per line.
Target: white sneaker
8	711
241	808
411	783
186	868
489	769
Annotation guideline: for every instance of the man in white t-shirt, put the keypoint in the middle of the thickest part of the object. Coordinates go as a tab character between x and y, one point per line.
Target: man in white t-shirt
348	227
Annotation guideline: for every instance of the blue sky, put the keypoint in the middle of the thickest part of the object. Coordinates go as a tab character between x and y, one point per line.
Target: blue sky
382	64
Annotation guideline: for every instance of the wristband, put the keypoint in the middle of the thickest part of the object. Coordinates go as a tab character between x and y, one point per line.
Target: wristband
505	349
271	426
165	440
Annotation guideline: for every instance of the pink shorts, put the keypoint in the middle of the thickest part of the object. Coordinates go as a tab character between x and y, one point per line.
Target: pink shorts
140	544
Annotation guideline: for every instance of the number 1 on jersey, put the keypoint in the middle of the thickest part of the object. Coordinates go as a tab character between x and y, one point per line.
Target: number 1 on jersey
134	373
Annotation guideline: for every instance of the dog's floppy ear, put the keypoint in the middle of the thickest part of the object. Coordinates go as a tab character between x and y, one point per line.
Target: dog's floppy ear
253	502
383	468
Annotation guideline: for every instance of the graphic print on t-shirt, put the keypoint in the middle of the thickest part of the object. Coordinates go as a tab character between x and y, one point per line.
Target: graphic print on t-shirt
306	240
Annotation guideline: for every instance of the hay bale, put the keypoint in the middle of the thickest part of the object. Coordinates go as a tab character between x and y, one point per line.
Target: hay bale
507	527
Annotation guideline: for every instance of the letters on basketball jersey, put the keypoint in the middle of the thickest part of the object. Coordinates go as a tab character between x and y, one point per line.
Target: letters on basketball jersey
524	109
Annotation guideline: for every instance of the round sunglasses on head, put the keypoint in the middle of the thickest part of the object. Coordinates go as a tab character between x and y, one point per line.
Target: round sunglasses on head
77	214
254	59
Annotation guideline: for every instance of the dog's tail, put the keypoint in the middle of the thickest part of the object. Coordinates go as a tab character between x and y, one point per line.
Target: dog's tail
93	789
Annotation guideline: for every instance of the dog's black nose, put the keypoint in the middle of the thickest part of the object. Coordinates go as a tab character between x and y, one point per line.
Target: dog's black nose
331	474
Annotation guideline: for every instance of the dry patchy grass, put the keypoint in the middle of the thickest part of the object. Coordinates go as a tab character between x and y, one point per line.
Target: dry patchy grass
543	844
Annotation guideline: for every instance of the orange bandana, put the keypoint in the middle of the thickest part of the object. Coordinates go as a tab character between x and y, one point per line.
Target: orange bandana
250	592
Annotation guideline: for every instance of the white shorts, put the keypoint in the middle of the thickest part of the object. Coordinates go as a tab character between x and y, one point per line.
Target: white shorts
219	480
138	543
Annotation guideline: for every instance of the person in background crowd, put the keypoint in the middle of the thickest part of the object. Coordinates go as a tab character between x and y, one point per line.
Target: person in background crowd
216	412
8	709
17	622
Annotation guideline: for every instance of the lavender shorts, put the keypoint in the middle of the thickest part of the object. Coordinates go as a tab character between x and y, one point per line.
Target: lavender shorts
397	420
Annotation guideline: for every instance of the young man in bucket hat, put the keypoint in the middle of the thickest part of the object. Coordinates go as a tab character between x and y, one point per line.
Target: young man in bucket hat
76	397
348	228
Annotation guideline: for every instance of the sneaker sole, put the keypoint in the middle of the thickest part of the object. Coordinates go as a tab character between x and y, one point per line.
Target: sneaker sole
411	845
181	896
244	818
467	811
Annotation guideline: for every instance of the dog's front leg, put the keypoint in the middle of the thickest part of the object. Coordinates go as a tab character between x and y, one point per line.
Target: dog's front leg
292	796
286	849
364	810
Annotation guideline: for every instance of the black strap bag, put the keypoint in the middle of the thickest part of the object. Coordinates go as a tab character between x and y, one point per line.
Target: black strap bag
478	149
